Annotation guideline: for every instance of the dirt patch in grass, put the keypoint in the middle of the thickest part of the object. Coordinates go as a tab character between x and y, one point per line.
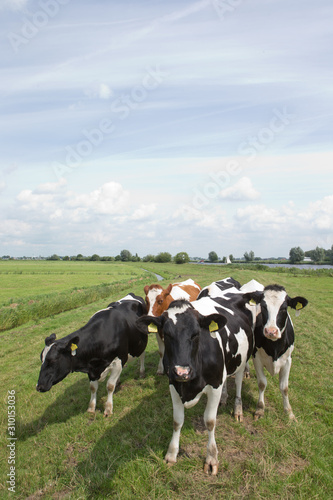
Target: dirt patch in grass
74	454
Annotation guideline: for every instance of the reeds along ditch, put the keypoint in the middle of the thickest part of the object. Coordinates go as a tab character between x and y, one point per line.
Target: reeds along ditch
18	312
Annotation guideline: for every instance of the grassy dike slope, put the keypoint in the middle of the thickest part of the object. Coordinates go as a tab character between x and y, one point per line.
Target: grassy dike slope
63	452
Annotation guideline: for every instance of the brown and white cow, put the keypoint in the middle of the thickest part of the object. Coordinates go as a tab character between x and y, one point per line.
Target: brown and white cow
159	299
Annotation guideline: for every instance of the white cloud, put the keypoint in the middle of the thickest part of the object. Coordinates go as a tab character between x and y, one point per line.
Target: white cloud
259	218
104	91
144	211
34	201
288	226
242	190
14	228
319	214
109	199
50	187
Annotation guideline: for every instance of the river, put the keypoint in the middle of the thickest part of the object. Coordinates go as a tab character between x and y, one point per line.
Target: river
298	266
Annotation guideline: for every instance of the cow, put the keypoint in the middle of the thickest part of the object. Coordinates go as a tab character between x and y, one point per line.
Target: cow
159	299
219	288
205	341
100	348
274	340
227	288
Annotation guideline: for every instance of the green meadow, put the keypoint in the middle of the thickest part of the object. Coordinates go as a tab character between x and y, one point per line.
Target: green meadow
62	452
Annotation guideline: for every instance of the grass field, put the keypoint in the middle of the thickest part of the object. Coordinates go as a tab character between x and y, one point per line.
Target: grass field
62	452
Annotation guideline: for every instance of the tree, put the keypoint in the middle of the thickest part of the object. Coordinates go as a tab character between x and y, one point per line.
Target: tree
181	258
135	258
231	258
125	255
149	258
95	257
54	257
318	254
296	254
212	257
249	257
163	257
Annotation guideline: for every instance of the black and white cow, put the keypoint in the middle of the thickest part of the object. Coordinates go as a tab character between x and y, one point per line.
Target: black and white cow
205	341
274	340
225	288
100	348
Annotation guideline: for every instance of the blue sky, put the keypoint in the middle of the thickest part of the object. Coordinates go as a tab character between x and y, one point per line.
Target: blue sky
165	126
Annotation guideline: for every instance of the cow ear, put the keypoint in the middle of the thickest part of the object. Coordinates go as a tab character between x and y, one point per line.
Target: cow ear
213	322
168	290
49	340
253	298
150	324
297	302
72	345
146	289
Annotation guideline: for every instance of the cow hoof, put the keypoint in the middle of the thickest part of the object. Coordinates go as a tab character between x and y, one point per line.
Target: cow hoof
142	375
91	410
247	375
210	469
292	417
258	414
239	417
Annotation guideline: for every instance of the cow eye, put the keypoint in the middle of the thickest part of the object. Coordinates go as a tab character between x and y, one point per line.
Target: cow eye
194	337
160	301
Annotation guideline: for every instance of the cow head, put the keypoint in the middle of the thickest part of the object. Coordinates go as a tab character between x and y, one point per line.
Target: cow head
274	302
182	326
157	299
56	360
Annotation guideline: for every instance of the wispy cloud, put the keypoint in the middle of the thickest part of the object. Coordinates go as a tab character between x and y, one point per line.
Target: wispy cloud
242	190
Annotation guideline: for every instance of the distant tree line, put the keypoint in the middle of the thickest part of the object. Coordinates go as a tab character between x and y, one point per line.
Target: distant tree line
126	256
296	256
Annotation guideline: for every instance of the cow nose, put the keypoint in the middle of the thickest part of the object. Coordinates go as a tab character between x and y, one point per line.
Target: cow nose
271	333
182	372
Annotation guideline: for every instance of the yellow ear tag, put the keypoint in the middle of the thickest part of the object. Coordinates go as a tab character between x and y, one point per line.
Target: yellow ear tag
152	328
299	306
213	326
252	302
73	349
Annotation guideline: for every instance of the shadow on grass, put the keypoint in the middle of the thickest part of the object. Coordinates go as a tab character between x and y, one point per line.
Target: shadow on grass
135	445
74	400
130	446
71	402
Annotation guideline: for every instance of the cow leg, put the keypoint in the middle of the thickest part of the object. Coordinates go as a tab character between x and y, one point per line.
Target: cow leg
161	349
93	396
238	408
116	368
247	370
213	400
142	365
224	394
262	383
284	378
178	420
